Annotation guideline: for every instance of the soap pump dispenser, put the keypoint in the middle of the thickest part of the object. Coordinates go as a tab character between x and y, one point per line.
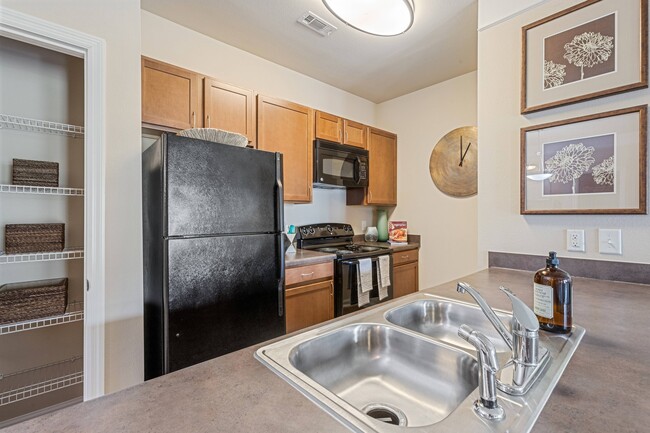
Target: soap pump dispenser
553	296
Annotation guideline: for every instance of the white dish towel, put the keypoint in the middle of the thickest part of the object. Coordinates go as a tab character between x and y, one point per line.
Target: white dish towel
364	281
384	276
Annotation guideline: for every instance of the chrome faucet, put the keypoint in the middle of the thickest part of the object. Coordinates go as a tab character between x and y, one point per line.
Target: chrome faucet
487	405
528	357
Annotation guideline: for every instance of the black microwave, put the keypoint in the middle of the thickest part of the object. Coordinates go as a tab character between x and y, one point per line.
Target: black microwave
339	165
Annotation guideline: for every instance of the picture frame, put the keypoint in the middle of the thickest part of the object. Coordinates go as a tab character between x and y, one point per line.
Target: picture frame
591	50
595	164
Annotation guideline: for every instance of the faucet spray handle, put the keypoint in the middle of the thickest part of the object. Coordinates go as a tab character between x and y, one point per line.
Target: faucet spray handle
524	318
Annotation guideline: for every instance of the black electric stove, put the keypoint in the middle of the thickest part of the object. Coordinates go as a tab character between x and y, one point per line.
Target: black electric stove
337	238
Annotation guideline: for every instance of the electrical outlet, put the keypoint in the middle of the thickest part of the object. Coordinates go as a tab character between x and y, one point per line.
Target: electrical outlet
575	240
610	241
364	225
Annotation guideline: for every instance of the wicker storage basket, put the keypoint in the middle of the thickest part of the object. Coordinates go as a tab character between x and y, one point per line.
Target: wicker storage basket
33	300
35	173
34	238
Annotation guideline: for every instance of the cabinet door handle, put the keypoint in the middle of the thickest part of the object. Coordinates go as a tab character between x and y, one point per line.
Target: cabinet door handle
307	275
405	257
369	195
193	119
208	120
346	135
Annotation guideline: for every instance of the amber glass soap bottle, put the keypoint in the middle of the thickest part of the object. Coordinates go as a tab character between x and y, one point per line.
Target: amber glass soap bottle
553	295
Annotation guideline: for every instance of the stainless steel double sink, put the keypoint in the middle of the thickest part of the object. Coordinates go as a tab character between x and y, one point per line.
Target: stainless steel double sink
403	366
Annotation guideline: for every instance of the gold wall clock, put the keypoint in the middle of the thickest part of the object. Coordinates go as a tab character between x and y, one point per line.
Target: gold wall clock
453	164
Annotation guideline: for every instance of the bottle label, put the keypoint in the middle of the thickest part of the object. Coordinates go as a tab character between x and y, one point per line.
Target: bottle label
543	300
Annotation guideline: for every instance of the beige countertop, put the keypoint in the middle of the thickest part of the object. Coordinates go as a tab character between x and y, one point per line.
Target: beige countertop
306	257
605	388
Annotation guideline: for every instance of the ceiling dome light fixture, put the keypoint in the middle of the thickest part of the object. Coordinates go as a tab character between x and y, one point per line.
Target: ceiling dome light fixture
377	17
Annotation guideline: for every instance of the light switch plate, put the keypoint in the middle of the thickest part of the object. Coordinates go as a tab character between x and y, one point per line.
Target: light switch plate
575	240
610	241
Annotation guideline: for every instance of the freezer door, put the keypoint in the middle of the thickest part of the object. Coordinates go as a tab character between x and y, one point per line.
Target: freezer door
224	293
214	188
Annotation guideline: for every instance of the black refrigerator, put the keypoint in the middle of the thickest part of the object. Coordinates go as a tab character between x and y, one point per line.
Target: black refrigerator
213	251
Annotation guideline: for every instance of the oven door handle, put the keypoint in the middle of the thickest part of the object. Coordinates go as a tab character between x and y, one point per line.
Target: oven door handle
356	261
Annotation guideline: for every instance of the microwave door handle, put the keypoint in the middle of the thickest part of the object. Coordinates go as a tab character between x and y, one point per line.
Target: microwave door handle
357	166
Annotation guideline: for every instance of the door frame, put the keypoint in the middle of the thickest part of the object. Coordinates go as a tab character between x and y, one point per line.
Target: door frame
35	31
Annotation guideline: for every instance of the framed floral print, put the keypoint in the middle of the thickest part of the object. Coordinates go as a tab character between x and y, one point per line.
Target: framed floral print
593	49
593	164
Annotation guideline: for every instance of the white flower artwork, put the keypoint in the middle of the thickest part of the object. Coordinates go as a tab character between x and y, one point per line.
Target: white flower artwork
579	53
569	163
603	173
554	74
588	49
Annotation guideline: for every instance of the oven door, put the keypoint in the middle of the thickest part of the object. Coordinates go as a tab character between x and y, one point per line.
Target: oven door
340	165
345	290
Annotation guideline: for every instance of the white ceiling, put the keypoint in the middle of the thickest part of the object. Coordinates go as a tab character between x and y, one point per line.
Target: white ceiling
442	43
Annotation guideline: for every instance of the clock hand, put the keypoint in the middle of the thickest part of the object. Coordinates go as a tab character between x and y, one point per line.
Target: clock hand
461	151
462	158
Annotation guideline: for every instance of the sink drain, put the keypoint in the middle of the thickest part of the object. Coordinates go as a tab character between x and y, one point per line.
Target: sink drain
385	413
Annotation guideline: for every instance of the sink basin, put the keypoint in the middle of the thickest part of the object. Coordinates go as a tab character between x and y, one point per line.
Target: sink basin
401	363
388	374
441	319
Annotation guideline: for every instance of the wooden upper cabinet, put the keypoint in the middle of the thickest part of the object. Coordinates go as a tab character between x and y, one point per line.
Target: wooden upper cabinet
340	130
382	153
170	95
287	127
382	171
354	133
329	127
229	108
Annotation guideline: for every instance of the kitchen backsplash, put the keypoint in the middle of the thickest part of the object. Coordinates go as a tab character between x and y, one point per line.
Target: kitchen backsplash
328	205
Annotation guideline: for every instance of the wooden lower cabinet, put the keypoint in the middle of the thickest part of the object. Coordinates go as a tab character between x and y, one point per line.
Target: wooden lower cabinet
309	304
405	273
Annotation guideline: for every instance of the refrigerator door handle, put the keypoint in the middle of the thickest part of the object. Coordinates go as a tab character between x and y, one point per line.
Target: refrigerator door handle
280	270
279	194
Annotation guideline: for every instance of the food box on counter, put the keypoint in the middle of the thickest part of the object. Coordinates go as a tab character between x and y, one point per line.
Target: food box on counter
397	232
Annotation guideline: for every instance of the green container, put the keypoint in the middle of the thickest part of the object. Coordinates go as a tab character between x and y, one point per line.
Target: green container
382	225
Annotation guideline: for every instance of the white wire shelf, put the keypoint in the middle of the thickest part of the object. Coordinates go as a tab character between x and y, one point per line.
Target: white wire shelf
67	254
47	190
35	125
74	313
31	382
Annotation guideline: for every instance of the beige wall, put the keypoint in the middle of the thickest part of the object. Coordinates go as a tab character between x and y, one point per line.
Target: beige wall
501	227
491	12
448	225
118	23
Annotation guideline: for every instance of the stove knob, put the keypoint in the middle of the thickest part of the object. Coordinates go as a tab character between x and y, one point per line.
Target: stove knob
328	228
311	230
303	230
